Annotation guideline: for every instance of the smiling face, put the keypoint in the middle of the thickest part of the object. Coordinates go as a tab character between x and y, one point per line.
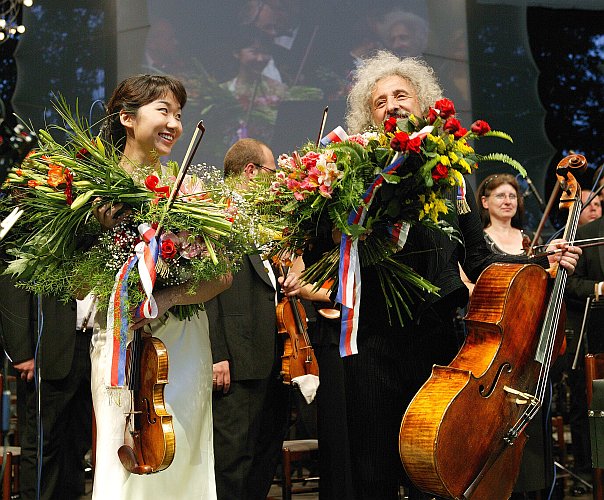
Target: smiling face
502	202
393	96
153	130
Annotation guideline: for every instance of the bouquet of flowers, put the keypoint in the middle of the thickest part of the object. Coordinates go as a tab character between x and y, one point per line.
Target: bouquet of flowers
59	248
371	188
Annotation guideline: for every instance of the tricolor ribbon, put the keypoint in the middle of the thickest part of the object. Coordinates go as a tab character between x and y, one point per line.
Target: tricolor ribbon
338	134
349	286
146	254
462	203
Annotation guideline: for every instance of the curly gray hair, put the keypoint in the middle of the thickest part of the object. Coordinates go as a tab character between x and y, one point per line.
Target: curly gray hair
381	65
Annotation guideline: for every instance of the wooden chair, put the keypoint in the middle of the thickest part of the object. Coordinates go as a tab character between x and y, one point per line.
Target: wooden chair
594	370
293	451
10	458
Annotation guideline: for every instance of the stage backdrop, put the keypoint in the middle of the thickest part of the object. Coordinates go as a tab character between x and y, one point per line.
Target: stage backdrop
268	68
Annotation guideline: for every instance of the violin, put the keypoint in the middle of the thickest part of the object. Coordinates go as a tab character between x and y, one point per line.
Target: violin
497	382
298	355
149	436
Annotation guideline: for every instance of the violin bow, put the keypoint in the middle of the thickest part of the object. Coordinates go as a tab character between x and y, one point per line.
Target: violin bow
322	127
184	167
160	266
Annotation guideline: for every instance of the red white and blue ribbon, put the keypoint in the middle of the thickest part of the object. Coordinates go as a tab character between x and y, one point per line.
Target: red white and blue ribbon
146	254
349	287
338	134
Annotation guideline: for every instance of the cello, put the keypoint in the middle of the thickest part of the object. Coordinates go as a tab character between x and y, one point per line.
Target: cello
497	382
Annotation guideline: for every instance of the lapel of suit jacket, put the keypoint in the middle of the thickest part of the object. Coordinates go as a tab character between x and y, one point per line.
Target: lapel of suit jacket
258	266
601	247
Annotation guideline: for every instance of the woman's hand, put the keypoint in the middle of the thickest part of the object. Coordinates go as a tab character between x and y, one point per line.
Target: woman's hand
109	215
567	256
163	299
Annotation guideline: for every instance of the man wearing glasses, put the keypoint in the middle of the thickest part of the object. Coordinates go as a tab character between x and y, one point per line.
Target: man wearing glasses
250	404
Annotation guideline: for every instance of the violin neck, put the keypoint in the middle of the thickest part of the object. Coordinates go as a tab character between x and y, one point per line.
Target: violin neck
296	312
135	361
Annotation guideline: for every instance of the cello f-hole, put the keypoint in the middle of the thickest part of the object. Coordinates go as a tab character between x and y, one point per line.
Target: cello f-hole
485	392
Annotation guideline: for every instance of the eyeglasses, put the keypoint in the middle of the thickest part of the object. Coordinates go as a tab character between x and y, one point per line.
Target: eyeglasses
262	167
503	196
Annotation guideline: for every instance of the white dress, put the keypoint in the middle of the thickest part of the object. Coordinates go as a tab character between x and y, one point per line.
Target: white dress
188	397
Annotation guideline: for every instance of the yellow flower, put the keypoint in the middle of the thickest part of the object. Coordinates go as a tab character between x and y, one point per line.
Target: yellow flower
464	164
440	144
455	174
464	148
445	160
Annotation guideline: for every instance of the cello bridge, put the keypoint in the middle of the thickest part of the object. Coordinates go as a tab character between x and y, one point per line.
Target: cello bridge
522	398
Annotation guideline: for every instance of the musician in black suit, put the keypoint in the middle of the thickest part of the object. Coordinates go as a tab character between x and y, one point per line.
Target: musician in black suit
394	361
298	33
63	362
251	403
588	280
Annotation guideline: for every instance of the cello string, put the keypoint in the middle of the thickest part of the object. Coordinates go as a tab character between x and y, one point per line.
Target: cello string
551	325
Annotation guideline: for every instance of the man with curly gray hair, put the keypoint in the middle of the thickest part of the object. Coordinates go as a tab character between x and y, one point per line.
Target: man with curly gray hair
394	360
411	80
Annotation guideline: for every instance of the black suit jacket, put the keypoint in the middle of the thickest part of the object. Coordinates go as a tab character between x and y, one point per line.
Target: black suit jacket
589	271
19	322
243	322
590	268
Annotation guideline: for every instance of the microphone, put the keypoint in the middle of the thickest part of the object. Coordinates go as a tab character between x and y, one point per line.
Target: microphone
535	192
531	189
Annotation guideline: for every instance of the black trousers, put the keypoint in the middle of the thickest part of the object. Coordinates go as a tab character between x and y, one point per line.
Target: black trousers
335	471
250	423
381	380
66	418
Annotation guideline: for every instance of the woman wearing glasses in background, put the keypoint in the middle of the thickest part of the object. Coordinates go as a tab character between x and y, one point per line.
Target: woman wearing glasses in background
501	212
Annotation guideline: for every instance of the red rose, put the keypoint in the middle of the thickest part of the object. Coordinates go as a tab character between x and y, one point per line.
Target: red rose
168	249
432	116
460	132
390	125
480	127
452	125
439	172
414	144
399	141
446	108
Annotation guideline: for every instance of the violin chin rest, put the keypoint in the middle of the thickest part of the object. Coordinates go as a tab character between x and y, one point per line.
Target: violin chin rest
128	459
